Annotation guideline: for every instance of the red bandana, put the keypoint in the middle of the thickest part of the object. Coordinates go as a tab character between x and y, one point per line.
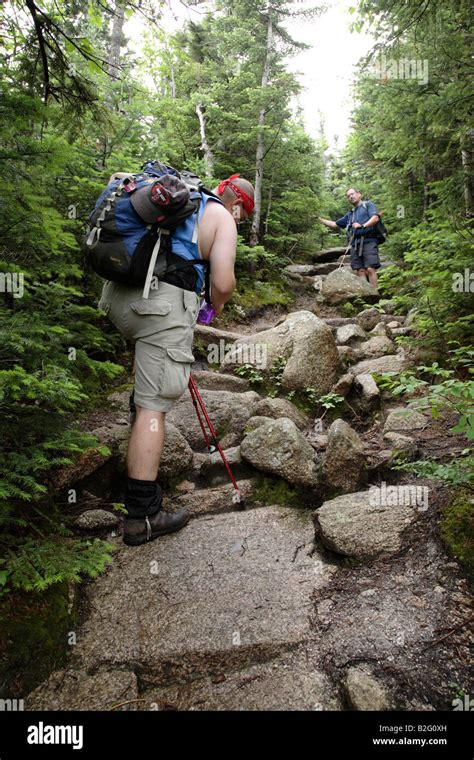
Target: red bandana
246	199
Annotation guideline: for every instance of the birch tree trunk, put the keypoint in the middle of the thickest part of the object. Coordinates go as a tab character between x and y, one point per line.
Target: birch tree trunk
269	206
116	39
208	156
260	140
113	66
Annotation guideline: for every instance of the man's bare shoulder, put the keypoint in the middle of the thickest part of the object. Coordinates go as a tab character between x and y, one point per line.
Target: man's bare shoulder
217	224
216	213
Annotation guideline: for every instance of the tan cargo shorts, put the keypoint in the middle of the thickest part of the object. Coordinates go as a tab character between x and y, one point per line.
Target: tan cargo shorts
162	327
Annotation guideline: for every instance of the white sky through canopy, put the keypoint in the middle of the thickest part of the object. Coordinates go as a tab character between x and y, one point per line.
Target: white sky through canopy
326	71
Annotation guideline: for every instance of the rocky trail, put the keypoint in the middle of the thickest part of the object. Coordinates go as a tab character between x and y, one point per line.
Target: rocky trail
320	592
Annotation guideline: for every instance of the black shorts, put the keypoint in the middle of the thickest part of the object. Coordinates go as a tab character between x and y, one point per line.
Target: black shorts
369	255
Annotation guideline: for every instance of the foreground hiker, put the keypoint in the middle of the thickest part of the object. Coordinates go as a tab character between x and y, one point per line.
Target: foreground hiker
361	227
162	326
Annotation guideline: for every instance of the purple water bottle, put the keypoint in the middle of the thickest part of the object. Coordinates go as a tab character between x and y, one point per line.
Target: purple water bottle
206	313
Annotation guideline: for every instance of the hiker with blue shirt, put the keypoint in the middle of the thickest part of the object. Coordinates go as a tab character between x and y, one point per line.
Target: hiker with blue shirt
360	224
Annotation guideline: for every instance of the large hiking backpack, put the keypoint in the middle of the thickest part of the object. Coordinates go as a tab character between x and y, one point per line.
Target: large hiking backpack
128	234
379	229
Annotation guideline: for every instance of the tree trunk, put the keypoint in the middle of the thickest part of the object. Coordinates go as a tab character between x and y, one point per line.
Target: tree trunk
411	185
113	66
173	82
426	195
172	79
116	40
269	206
208	157
466	160
260	141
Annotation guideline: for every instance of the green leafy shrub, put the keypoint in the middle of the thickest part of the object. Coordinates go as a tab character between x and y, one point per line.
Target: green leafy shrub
250	373
450	395
38	564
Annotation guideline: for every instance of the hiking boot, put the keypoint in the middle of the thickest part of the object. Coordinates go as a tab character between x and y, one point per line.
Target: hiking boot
137	532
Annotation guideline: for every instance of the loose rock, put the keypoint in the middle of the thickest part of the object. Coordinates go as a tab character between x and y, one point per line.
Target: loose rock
228	413
96	519
379	329
348	355
367	391
328	254
404	420
302	269
216	381
401	444
281	407
344	462
377	346
364	692
347	333
343	385
392	363
304	341
354	526
279	448
368	319
341	286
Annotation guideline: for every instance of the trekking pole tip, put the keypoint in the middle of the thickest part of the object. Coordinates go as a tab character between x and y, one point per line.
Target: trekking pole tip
237	499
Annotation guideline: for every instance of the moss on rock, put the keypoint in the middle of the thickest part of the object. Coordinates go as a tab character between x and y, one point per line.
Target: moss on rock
457	530
35	629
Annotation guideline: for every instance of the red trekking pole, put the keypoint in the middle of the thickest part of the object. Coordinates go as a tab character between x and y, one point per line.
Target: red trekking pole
196	398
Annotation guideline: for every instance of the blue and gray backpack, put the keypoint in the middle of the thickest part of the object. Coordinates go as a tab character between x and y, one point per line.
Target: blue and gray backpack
128	233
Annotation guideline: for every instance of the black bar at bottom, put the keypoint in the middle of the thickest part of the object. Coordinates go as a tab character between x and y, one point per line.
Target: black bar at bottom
127	734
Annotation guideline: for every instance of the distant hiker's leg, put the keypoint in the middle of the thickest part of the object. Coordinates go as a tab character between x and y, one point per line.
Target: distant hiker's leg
146	444
371	261
372	275
356	262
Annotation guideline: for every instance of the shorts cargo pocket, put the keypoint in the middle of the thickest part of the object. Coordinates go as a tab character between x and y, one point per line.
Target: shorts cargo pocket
177	370
191	306
151	306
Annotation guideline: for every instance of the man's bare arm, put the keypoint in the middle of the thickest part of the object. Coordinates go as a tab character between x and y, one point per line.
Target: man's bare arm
328	223
370	223
222	259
